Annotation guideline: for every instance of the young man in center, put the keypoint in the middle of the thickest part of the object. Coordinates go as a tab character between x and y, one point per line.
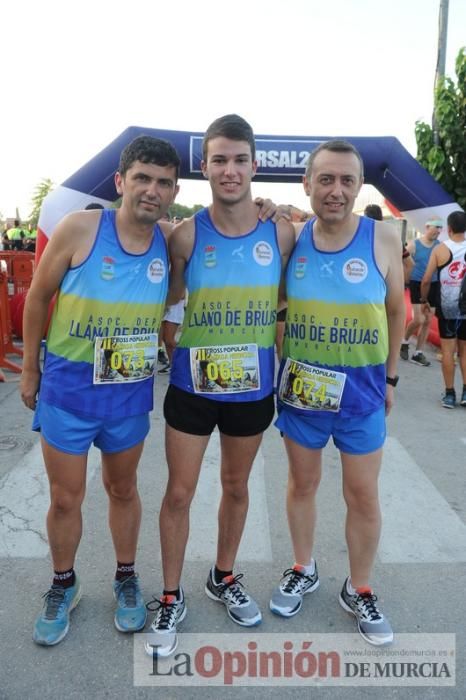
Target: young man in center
223	367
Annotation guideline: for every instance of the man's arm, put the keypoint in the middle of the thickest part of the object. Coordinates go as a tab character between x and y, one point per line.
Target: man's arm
180	246
434	262
408	264
286	236
68	238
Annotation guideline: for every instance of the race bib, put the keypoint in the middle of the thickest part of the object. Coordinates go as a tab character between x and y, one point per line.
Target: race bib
125	358
311	388
225	369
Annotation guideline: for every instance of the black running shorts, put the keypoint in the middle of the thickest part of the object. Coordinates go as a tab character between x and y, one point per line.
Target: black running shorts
415	293
197	415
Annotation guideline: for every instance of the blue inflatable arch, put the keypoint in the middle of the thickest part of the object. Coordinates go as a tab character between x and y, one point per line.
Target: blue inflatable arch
388	167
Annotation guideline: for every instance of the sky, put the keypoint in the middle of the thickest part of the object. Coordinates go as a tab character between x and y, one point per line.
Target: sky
75	75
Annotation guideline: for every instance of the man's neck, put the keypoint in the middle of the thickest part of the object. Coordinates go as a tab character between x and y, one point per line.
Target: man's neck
133	235
235	219
334	236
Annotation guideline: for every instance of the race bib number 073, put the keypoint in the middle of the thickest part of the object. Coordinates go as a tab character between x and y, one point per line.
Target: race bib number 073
124	358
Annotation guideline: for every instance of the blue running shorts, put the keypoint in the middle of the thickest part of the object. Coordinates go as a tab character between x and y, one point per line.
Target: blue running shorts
357	435
74	434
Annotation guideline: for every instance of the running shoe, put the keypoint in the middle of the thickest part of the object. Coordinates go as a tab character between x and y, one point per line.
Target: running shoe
372	625
463	398
241	608
131	613
162	357
420	359
165	370
287	598
162	638
449	400
53	623
404	351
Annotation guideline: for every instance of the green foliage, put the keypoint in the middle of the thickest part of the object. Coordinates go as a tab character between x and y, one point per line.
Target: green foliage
41	191
446	161
183	212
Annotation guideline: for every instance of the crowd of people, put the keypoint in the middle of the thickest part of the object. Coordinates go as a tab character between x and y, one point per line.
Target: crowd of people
121	275
19	237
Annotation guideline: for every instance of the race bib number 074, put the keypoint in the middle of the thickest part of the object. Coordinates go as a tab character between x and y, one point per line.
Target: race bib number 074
311	388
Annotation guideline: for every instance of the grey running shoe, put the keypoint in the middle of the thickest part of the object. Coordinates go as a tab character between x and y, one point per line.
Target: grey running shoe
165	370
287	598
404	351
54	621
372	625
162	357
420	359
463	398
449	401
162	639
131	613
241	608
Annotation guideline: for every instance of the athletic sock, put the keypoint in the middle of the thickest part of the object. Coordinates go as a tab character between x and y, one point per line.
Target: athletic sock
176	593
450	391
308	569
124	570
219	575
66	579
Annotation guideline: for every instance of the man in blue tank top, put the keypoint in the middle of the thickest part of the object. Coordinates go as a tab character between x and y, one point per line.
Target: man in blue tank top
343	331
110	271
420	250
223	368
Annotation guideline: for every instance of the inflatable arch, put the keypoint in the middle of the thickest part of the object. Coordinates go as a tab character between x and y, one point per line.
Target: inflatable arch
388	166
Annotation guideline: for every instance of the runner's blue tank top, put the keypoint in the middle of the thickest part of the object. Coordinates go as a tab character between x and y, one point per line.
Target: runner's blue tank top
421	259
336	316
111	293
232	300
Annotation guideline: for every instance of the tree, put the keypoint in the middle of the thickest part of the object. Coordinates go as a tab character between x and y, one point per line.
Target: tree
41	191
183	212
446	160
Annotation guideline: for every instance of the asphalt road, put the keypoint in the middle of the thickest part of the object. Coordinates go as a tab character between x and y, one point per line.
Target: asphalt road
419	574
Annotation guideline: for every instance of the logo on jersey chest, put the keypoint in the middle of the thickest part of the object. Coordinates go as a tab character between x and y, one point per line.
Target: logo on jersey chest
107	271
355	270
210	256
300	267
263	253
156	271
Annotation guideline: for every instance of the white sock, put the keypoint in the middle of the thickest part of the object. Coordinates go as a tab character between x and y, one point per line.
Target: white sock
349	587
309	569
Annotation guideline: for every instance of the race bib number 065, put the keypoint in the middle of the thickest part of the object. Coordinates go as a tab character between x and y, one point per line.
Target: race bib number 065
311	388
226	369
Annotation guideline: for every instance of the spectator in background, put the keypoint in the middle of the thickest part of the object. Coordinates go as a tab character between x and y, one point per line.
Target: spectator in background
93	205
16	236
373	211
421	249
29	242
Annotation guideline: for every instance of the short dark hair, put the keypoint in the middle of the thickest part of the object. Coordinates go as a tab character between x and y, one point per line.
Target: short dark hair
336	146
373	211
233	127
457	221
93	205
147	149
